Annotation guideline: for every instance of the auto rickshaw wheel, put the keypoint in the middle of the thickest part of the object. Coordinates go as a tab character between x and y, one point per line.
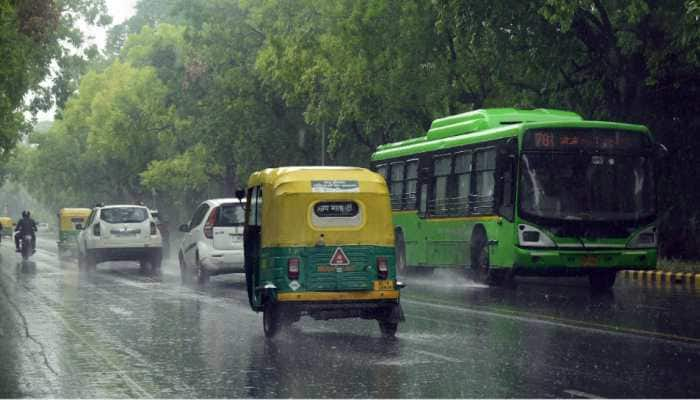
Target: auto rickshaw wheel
271	319
388	329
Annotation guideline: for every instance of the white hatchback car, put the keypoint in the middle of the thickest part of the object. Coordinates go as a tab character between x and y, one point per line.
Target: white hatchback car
117	233
213	241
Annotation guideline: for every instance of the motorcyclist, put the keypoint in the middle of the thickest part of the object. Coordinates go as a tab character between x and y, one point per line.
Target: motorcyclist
25	226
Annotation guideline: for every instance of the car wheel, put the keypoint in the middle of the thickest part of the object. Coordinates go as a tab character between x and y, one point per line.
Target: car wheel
156	261
90	261
201	274
185	275
271	319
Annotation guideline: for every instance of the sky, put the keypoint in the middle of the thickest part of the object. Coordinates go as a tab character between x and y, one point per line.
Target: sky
120	10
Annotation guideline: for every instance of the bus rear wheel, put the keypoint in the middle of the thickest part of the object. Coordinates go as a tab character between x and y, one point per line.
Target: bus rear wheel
602	280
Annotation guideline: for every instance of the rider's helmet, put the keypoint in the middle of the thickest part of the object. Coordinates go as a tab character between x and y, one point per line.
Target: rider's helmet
25	214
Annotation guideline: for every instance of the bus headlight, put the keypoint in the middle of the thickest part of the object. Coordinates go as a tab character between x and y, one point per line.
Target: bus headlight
644	238
529	236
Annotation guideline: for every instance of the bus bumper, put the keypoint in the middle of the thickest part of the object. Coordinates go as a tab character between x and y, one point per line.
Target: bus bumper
573	262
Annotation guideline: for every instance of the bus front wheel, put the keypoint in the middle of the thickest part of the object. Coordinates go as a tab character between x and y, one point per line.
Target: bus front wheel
602	280
481	266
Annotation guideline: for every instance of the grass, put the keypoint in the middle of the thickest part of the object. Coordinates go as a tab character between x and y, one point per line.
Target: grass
674	265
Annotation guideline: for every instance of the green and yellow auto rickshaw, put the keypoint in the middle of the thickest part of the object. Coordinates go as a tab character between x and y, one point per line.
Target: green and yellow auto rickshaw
68	218
319	241
8	226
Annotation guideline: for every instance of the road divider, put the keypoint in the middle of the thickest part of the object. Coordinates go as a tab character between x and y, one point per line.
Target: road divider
664	277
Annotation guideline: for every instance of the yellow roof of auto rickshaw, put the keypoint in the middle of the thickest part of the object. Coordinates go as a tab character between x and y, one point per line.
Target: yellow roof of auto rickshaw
5	219
74	212
298	179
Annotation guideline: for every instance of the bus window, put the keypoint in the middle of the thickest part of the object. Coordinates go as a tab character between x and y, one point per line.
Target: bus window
463	171
485	166
411	185
381	170
441	171
396	186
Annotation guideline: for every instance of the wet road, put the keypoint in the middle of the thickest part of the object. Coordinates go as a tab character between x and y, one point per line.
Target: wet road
120	333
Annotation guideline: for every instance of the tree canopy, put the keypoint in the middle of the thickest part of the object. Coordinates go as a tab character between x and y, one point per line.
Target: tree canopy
190	96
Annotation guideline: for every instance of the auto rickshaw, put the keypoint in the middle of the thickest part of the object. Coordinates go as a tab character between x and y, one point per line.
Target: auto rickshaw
68	218
320	244
8	226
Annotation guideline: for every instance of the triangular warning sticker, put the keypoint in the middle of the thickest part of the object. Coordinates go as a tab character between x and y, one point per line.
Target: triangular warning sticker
339	257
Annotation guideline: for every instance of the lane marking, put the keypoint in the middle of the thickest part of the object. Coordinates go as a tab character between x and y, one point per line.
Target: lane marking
563	322
583	395
438	356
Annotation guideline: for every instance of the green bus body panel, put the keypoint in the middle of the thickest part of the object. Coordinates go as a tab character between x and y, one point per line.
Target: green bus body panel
501	132
316	273
439	241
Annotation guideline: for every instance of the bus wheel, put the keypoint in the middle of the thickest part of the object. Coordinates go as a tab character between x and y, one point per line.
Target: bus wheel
400	253
388	329
602	280
481	267
271	319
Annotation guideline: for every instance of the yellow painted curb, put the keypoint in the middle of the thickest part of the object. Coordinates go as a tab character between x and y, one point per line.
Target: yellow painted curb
688	278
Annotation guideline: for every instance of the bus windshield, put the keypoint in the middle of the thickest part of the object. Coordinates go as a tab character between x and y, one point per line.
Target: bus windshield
580	186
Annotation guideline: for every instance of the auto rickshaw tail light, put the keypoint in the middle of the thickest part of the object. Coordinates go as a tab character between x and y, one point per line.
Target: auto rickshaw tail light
293	268
382	268
209	226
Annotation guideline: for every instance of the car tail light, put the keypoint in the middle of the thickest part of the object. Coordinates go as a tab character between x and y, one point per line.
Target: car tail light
209	226
382	268
96	229
293	268
154	231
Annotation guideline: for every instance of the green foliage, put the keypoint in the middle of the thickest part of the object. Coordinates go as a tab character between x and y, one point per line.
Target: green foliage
195	94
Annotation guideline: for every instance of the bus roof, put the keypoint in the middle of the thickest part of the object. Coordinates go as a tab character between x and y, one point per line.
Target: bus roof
489	124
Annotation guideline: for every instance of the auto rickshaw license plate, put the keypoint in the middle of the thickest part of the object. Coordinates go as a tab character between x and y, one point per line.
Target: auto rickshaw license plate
589	261
383	285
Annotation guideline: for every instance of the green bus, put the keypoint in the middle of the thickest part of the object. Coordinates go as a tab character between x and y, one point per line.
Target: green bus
505	192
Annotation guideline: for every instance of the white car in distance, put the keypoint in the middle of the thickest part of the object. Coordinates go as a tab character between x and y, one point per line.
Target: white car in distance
120	233
213	241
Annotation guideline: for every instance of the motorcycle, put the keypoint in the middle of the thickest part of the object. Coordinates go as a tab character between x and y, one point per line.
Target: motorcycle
25	246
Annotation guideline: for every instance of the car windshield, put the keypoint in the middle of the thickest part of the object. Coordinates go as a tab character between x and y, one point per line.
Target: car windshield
123	215
580	186
231	215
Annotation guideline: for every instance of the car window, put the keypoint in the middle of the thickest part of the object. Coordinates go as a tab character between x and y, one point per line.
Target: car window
199	214
231	215
123	215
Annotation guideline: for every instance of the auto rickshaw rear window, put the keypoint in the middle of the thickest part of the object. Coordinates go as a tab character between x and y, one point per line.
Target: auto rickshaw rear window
335	209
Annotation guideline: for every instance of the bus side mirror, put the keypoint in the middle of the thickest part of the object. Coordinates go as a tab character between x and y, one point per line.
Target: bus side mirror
660	151
240	194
